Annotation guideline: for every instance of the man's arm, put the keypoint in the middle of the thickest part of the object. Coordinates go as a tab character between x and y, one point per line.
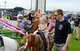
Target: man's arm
67	42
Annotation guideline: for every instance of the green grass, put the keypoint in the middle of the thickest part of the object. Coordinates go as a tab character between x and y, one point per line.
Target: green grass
73	46
12	35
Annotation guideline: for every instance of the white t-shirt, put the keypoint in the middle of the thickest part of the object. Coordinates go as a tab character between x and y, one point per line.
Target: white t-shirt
72	22
46	32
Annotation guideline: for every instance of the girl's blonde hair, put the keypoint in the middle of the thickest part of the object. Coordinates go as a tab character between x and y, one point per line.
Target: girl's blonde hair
44	18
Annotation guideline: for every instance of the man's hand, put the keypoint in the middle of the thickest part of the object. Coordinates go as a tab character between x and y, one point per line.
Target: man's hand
64	48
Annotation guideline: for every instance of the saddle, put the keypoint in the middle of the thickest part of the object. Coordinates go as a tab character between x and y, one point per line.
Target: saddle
1	41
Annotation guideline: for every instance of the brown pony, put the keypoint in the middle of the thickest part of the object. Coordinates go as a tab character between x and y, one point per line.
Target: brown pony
35	24
35	42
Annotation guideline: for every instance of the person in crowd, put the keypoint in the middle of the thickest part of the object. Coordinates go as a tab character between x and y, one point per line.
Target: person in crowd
51	23
19	19
51	28
72	22
30	17
22	24
62	35
77	23
43	28
26	24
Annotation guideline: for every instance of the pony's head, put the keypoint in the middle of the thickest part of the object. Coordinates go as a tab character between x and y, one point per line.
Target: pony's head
30	40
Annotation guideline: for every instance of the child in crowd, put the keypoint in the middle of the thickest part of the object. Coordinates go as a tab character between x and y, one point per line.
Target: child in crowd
43	28
51	23
51	28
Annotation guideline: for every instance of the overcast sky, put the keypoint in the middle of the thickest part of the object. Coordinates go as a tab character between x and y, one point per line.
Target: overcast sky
67	5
